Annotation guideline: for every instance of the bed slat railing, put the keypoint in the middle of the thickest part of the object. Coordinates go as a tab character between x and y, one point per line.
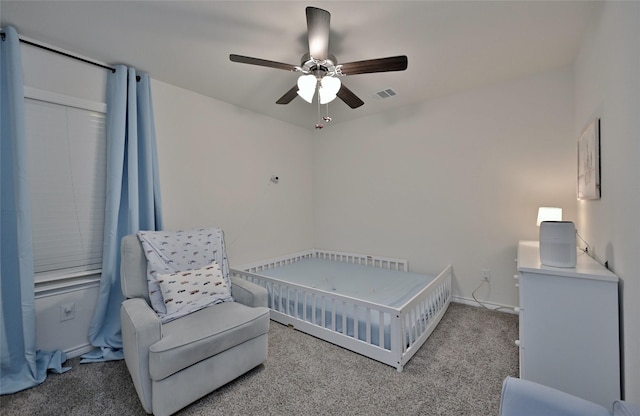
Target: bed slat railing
388	263
321	308
276	262
422	313
390	335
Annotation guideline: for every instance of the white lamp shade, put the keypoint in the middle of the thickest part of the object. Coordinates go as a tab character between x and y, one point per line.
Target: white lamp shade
329	87
549	214
307	87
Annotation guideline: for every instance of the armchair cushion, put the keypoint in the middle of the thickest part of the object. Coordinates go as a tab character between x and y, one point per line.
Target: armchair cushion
203	334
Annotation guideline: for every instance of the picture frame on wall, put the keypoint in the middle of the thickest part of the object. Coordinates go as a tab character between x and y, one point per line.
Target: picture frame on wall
589	162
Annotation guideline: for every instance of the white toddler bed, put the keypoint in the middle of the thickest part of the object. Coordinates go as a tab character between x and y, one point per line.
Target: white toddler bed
371	305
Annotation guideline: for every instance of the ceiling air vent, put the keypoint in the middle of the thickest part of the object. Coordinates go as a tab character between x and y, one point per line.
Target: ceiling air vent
382	94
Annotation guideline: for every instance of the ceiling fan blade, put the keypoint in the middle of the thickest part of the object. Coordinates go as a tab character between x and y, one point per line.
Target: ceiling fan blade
288	96
393	63
261	62
318	32
349	98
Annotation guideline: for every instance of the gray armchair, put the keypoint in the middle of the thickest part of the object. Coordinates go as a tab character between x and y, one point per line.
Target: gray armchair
176	363
526	398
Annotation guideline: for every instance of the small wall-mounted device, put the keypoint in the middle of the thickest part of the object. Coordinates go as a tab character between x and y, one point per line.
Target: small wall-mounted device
558	243
275	179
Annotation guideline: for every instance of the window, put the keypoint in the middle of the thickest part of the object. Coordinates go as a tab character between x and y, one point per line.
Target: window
66	144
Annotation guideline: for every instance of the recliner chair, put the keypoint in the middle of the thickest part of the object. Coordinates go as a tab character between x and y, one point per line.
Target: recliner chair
176	363
526	398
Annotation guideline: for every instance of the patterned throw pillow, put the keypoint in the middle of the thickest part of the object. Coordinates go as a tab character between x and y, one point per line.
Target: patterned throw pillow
191	290
177	251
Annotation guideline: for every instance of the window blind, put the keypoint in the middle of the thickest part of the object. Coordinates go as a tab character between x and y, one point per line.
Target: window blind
67	177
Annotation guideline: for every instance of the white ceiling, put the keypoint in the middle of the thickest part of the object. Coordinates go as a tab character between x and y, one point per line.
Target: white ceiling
451	45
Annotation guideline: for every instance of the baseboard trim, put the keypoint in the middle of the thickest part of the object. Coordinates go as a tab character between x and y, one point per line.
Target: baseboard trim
489	305
78	350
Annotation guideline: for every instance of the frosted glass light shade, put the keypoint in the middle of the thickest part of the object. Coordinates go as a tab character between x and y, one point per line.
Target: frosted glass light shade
329	87
549	214
307	87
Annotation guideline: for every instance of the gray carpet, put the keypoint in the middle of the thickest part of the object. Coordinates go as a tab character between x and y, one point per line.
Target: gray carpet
458	371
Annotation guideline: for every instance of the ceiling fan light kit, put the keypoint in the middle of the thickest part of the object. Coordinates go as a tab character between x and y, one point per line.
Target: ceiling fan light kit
329	87
307	87
320	69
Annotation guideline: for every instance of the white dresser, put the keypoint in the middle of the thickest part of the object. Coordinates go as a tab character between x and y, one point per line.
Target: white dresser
569	335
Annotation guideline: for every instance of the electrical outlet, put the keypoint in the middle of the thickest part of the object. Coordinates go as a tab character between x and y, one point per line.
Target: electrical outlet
67	311
486	275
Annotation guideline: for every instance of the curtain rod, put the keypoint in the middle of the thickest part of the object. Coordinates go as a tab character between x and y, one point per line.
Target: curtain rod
68	55
63	53
60	52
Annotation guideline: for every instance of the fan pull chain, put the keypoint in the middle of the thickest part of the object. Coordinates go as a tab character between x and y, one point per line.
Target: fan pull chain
327	118
319	124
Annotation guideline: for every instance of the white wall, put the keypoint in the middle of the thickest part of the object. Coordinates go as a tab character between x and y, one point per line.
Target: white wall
607	86
454	180
216	161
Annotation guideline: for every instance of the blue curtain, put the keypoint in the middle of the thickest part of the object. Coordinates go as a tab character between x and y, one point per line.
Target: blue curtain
21	366
133	197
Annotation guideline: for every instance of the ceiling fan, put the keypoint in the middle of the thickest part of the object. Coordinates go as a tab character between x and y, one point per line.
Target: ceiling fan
320	69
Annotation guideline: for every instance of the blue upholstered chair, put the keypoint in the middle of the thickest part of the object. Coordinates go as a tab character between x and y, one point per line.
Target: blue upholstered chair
173	364
526	398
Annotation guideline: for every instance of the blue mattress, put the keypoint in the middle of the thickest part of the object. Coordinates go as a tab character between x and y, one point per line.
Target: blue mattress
381	286
374	285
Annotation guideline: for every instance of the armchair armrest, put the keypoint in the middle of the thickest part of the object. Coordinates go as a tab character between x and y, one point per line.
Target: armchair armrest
141	328
526	398
247	293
